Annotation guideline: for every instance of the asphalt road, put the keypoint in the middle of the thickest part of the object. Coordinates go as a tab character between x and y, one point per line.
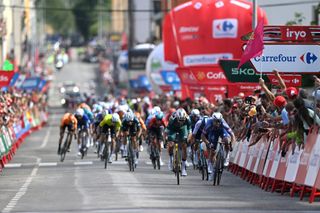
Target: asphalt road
35	180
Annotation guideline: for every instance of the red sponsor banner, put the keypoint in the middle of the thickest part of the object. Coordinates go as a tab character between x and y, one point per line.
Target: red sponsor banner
199	33
209	75
246	88
296	33
289	80
186	76
5	78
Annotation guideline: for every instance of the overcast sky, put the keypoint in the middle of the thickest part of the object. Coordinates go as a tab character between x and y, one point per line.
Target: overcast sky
279	15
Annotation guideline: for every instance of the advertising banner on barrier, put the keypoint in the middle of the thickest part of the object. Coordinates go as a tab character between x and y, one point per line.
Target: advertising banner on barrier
288	58
31	83
293	164
313	165
199	33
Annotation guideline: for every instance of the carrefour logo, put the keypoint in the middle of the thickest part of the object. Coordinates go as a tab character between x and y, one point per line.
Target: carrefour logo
308	58
225	28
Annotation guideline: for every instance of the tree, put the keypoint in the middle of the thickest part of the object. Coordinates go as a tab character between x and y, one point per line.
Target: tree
298	19
62	21
85	16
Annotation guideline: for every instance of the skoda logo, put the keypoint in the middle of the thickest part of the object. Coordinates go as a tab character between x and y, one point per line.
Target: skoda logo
308	58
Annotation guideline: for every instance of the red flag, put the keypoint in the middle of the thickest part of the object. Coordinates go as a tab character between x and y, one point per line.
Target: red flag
254	46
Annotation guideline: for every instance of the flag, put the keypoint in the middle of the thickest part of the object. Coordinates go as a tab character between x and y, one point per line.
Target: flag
254	46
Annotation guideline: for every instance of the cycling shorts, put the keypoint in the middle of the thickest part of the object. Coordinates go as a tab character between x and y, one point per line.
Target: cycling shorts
106	128
183	135
157	132
133	130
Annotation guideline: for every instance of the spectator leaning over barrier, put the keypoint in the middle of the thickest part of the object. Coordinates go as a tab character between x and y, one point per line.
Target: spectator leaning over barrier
304	118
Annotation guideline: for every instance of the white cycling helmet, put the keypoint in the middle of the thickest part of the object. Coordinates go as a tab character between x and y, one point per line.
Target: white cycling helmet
181	114
115	117
79	112
97	108
217	116
129	116
195	112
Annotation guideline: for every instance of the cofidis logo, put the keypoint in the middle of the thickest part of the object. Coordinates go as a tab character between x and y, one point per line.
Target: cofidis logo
225	28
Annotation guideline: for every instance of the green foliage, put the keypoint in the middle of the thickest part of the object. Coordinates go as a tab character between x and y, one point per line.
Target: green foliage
81	17
62	21
298	19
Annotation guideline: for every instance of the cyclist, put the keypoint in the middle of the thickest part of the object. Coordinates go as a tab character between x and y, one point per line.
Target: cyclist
68	121
194	117
110	122
180	123
155	128
131	128
196	136
215	128
83	124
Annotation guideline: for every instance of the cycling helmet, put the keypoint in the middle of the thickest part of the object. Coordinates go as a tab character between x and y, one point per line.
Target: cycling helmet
181	114
97	108
217	116
115	117
105	112
155	110
159	116
79	112
129	116
195	113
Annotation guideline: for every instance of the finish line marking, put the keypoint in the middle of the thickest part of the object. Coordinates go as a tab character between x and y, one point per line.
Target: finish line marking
22	191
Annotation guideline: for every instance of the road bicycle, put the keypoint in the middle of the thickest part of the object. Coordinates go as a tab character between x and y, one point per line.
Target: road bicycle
131	154
154	151
65	146
219	163
177	158
83	141
202	163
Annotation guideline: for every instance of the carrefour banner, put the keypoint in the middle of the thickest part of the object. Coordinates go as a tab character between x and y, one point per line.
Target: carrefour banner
289	58
200	32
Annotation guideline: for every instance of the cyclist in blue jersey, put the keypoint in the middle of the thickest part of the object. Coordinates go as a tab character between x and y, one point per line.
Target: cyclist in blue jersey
83	124
216	128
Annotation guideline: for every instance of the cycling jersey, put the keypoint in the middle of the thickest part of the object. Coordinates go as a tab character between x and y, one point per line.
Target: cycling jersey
214	133
154	124
199	126
97	120
149	119
69	119
84	122
174	127
84	106
89	114
107	121
133	128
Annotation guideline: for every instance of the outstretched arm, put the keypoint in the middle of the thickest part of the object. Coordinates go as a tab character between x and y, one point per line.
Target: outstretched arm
281	82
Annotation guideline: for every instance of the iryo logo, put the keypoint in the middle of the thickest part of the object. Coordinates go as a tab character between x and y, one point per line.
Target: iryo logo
308	58
296	34
225	28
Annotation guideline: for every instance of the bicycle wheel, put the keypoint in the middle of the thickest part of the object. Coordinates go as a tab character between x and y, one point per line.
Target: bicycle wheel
220	170
216	170
64	150
153	156
177	167
106	155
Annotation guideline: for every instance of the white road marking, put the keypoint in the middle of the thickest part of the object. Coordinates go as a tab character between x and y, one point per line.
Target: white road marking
46	138
83	163
48	164
12	165
23	189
